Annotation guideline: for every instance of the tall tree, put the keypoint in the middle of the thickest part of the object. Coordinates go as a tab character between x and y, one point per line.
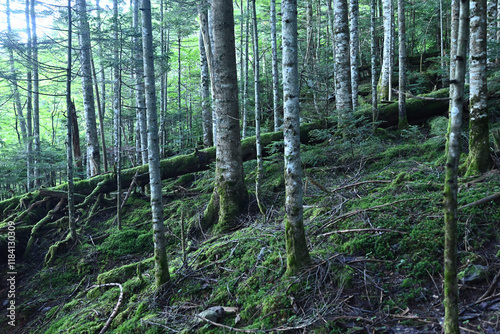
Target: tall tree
36	96
230	195
402	119
29	100
162	274
296	246
373	59
93	155
478	160
258	143
354	49
14	80
343	89
451	179
69	141
385	73
117	109
206	110
139	85
274	51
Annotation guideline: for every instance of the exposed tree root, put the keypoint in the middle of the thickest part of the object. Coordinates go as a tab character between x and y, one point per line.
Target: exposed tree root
56	248
37	226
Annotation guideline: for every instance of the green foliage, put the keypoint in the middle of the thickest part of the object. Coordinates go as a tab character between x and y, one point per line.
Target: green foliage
127	241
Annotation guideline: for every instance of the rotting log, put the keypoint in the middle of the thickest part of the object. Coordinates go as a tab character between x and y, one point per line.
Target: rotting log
418	109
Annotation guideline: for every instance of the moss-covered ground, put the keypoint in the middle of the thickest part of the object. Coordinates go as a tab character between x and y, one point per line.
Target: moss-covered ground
374	225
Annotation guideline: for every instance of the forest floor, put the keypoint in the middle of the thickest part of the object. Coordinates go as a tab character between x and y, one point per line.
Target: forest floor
374	224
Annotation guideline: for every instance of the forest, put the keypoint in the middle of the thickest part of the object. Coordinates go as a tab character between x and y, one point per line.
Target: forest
257	166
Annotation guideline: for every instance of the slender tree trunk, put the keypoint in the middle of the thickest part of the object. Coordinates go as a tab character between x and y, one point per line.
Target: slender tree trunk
29	102
206	109
383	83
296	246
478	160
258	144
36	98
373	52
117	109
139	85
179	106
245	79
342	62
354	49
101	118
162	274
101	99
274	51
69	149
230	196
402	119
13	71
455	12
451	179
93	156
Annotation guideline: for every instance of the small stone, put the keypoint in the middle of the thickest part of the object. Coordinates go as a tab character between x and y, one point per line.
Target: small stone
213	313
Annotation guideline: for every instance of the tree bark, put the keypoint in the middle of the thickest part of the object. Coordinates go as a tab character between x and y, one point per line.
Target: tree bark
117	132
206	109
373	53
478	160
296	246
162	274
70	107
258	144
451	177
383	83
343	89
402	118
36	98
274	52
354	49
139	86
230	195
93	156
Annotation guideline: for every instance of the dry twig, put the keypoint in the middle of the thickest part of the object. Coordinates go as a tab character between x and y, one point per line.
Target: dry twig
118	303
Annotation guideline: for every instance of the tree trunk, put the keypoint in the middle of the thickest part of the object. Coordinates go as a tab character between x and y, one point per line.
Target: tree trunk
383	83
162	274
93	156
373	52
206	109
354	49
402	119
245	76
13	71
478	160
343	90
230	196
29	102
274	51
117	109
296	246
70	107
139	86
451	179
36	98
258	144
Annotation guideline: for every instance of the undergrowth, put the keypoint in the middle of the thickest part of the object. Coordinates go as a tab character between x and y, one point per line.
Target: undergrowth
373	218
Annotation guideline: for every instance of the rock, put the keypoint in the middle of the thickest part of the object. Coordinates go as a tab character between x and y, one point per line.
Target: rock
474	273
214	313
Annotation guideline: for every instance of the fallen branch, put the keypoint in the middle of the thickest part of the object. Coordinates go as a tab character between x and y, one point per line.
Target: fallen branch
490	289
481	201
358	184
118	303
362	230
356	212
422	97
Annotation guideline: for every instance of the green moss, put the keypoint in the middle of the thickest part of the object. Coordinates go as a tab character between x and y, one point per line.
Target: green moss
128	241
123	273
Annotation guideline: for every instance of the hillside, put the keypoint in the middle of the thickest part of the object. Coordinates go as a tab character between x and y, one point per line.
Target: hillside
374	223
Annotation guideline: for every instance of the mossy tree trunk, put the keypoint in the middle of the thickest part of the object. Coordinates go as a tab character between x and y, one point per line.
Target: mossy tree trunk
451	179
162	274
402	119
296	246
478	160
385	73
230	195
